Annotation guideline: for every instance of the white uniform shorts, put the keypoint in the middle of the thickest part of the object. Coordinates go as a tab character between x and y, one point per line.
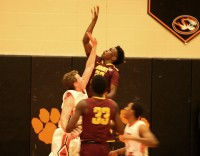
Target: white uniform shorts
57	144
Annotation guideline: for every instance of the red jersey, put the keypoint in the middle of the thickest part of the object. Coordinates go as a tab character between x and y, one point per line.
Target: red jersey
109	71
96	123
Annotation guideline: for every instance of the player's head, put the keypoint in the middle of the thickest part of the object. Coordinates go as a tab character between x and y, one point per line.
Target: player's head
120	56
133	109
99	84
115	55
71	80
137	107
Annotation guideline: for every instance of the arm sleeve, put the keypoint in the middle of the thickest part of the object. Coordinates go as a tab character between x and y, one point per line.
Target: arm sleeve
115	78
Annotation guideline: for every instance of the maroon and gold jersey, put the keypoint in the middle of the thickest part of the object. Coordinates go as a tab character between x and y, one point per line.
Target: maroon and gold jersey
109	71
96	122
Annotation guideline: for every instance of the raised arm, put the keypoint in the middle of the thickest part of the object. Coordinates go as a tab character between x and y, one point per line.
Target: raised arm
86	39
90	61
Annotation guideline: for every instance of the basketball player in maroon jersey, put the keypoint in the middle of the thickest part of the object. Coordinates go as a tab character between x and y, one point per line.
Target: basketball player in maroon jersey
96	113
104	65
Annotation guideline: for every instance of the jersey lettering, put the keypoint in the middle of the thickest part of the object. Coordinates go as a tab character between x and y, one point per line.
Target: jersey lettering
102	115
97	72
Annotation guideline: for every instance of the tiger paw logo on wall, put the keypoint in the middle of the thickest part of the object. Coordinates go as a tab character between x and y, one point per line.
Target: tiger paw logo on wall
45	125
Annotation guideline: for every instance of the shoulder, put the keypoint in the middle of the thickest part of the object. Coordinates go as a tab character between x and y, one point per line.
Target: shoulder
73	93
143	129
67	94
142	126
116	69
82	104
113	103
68	100
113	67
140	122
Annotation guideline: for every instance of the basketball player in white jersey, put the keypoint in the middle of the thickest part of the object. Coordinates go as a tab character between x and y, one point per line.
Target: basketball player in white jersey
68	144
137	136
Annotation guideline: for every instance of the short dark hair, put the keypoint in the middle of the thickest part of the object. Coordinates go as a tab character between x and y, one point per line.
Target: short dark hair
120	56
69	79
99	84
137	107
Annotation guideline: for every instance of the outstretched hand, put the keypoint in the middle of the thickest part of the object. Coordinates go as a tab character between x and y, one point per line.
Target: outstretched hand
95	13
93	40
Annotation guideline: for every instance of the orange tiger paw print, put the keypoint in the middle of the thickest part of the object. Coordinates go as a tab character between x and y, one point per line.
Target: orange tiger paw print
45	125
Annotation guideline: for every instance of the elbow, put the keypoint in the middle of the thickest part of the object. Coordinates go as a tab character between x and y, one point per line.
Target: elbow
120	131
155	143
111	94
68	130
85	40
